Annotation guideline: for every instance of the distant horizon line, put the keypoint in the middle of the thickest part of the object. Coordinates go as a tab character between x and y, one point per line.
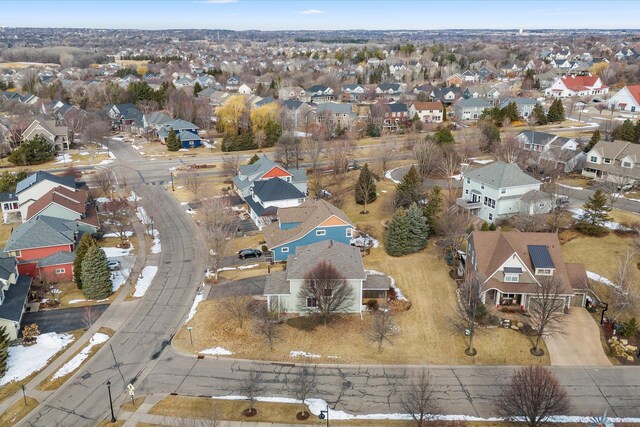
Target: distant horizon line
327	30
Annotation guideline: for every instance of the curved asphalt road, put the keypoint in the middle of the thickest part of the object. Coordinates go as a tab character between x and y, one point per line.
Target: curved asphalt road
141	350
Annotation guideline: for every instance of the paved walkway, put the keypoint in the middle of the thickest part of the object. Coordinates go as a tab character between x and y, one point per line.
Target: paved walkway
570	348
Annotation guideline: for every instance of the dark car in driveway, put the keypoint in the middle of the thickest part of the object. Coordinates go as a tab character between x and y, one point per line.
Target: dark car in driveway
249	253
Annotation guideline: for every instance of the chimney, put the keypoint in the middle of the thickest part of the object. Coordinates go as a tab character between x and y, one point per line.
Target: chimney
330	243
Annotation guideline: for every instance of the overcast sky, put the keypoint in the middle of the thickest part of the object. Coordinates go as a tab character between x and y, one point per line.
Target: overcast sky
321	15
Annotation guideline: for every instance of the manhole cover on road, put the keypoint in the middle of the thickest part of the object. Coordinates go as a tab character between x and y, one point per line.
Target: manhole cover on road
86	376
346	385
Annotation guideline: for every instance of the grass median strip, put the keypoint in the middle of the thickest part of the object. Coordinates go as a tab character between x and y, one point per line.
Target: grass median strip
17	411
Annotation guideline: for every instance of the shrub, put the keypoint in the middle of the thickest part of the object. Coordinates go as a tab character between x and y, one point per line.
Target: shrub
372	305
630	328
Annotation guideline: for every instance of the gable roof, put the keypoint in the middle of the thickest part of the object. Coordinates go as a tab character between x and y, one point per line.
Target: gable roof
42	231
578	83
634	90
276	189
345	259
73	200
310	214
67	181
422	106
501	175
15	299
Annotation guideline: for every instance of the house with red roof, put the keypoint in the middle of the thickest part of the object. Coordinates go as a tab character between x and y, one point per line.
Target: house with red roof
627	99
568	86
62	203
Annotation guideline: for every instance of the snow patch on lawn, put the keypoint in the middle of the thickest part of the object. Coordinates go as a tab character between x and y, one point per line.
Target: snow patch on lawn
76	361
242	267
76	301
142	215
145	279
134	197
577	213
156	248
481	161
570	187
247	267
118	278
206	144
217	351
598	278
388	176
399	293
194	307
300	353
102	199
117	252
23	360
126	233
457	177
65	158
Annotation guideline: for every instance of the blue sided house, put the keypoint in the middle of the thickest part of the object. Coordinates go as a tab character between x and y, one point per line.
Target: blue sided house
186	131
312	222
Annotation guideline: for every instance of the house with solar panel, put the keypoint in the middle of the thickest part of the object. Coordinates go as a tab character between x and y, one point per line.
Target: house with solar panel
266	186
511	265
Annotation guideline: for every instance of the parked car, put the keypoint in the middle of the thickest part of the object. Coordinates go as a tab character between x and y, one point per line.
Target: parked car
625	187
249	253
325	194
113	264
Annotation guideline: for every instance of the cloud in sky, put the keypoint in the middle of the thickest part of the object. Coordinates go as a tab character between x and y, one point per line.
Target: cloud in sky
312	12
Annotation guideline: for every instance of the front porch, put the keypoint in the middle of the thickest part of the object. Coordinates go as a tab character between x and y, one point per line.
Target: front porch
494	297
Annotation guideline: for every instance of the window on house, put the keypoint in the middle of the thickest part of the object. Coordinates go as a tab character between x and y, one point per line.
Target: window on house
511	277
284	249
60	270
607	161
468	180
14	253
312	302
626	164
327	292
544	271
489	202
482	187
466	191
349	232
321	232
490	217
593	159
503	191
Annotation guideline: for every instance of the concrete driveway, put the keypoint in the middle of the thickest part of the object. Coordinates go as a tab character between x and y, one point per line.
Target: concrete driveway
580	345
60	320
248	286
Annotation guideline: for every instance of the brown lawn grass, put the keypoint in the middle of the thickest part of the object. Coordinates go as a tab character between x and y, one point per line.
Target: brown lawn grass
50	384
13	387
574	181
5	232
132	406
268	412
108	423
17	411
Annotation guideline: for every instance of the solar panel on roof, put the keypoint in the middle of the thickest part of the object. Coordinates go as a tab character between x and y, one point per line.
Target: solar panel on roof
540	256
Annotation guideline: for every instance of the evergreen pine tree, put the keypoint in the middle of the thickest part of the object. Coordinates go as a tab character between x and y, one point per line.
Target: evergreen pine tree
418	228
636	133
626	131
556	111
398	239
253	159
433	208
409	190
86	242
96	277
173	143
4	350
444	113
443	136
511	112
485	226
595	138
197	88
539	115
366	187
596	213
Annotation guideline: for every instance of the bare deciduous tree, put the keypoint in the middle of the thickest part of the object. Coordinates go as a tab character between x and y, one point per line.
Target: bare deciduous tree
89	317
383	328
304	383
230	166
313	146
418	400
625	294
102	178
339	152
118	212
384	154
470	310
288	150
325	292
238	307
220	225
193	182
268	326
546	309
449	164
509	150
75	121
451	230
251	387
426	153
533	393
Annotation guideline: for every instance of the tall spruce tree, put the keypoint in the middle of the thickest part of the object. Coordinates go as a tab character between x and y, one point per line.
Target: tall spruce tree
626	131
173	143
433	208
418	228
366	187
86	242
539	115
556	111
4	350
398	239
511	112
409	189
595	138
596	213
96	277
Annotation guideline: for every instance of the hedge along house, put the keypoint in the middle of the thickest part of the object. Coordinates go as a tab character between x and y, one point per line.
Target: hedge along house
311	222
511	266
282	288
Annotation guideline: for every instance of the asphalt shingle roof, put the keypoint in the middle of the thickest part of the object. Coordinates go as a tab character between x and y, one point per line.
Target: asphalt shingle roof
276	189
58	258
345	259
15	298
35	178
501	175
42	231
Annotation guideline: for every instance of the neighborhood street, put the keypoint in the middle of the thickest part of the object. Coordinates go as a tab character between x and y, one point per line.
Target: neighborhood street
140	351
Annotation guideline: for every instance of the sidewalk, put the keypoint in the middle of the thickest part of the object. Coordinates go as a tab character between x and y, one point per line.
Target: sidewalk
114	317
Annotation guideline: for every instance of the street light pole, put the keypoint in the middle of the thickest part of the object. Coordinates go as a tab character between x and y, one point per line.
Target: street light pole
325	414
113	418
172	186
190	328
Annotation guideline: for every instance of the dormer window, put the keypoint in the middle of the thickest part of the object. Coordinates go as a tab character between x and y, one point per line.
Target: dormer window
512	274
544	271
627	165
607	161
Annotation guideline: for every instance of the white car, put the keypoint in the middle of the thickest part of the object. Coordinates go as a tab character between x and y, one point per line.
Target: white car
113	264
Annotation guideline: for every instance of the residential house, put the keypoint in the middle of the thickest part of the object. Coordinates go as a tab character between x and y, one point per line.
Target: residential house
428	112
396	115
320	93
265	186
293	92
353	92
569	86
512	265
36	185
469	76
155	120
10	207
233	83
425	88
184	82
496	191
511	69
282	288
44	248
470	109
186	131
627	99
446	95
126	117
57	136
245	89
390	90
455	80
525	105
63	203
336	115
297	113
14	295
546	149
310	222
613	161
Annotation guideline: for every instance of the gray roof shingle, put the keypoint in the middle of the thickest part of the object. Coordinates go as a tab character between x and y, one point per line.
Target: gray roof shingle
276	189
344	258
35	178
501	175
42	231
15	298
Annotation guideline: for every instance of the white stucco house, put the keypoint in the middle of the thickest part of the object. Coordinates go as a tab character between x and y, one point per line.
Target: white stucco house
613	161
627	99
569	86
499	190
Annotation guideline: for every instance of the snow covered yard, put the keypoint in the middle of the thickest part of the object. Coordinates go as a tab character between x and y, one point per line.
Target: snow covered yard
25	360
144	280
77	360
